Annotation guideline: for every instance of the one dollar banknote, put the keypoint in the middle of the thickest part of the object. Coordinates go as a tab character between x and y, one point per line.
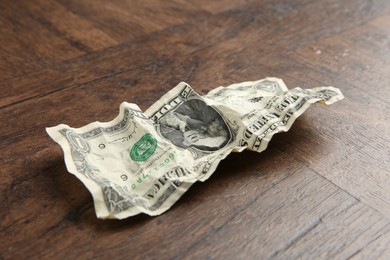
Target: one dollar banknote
143	162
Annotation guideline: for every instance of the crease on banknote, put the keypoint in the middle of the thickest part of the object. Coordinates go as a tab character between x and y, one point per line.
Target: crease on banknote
143	162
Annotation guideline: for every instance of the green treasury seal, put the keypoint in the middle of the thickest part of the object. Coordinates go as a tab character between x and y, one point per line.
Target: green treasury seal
144	148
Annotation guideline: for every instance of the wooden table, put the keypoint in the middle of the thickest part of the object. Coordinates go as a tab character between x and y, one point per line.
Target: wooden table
320	191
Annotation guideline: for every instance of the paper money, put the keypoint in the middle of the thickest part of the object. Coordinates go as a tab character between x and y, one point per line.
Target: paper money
143	162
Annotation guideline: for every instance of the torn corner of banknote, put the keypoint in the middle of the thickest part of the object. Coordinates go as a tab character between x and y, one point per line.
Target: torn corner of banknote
143	162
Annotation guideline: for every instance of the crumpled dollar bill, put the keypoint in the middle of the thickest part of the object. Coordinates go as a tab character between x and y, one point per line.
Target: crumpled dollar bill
143	162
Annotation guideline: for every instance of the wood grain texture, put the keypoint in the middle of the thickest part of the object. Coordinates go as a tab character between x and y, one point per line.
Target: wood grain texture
320	191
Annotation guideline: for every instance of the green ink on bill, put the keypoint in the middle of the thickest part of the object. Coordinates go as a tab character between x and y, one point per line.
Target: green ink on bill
144	148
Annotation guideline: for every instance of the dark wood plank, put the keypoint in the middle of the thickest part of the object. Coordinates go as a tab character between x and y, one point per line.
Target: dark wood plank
60	21
220	36
282	189
125	20
280	224
287	207
38	34
29	44
359	134
74	212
